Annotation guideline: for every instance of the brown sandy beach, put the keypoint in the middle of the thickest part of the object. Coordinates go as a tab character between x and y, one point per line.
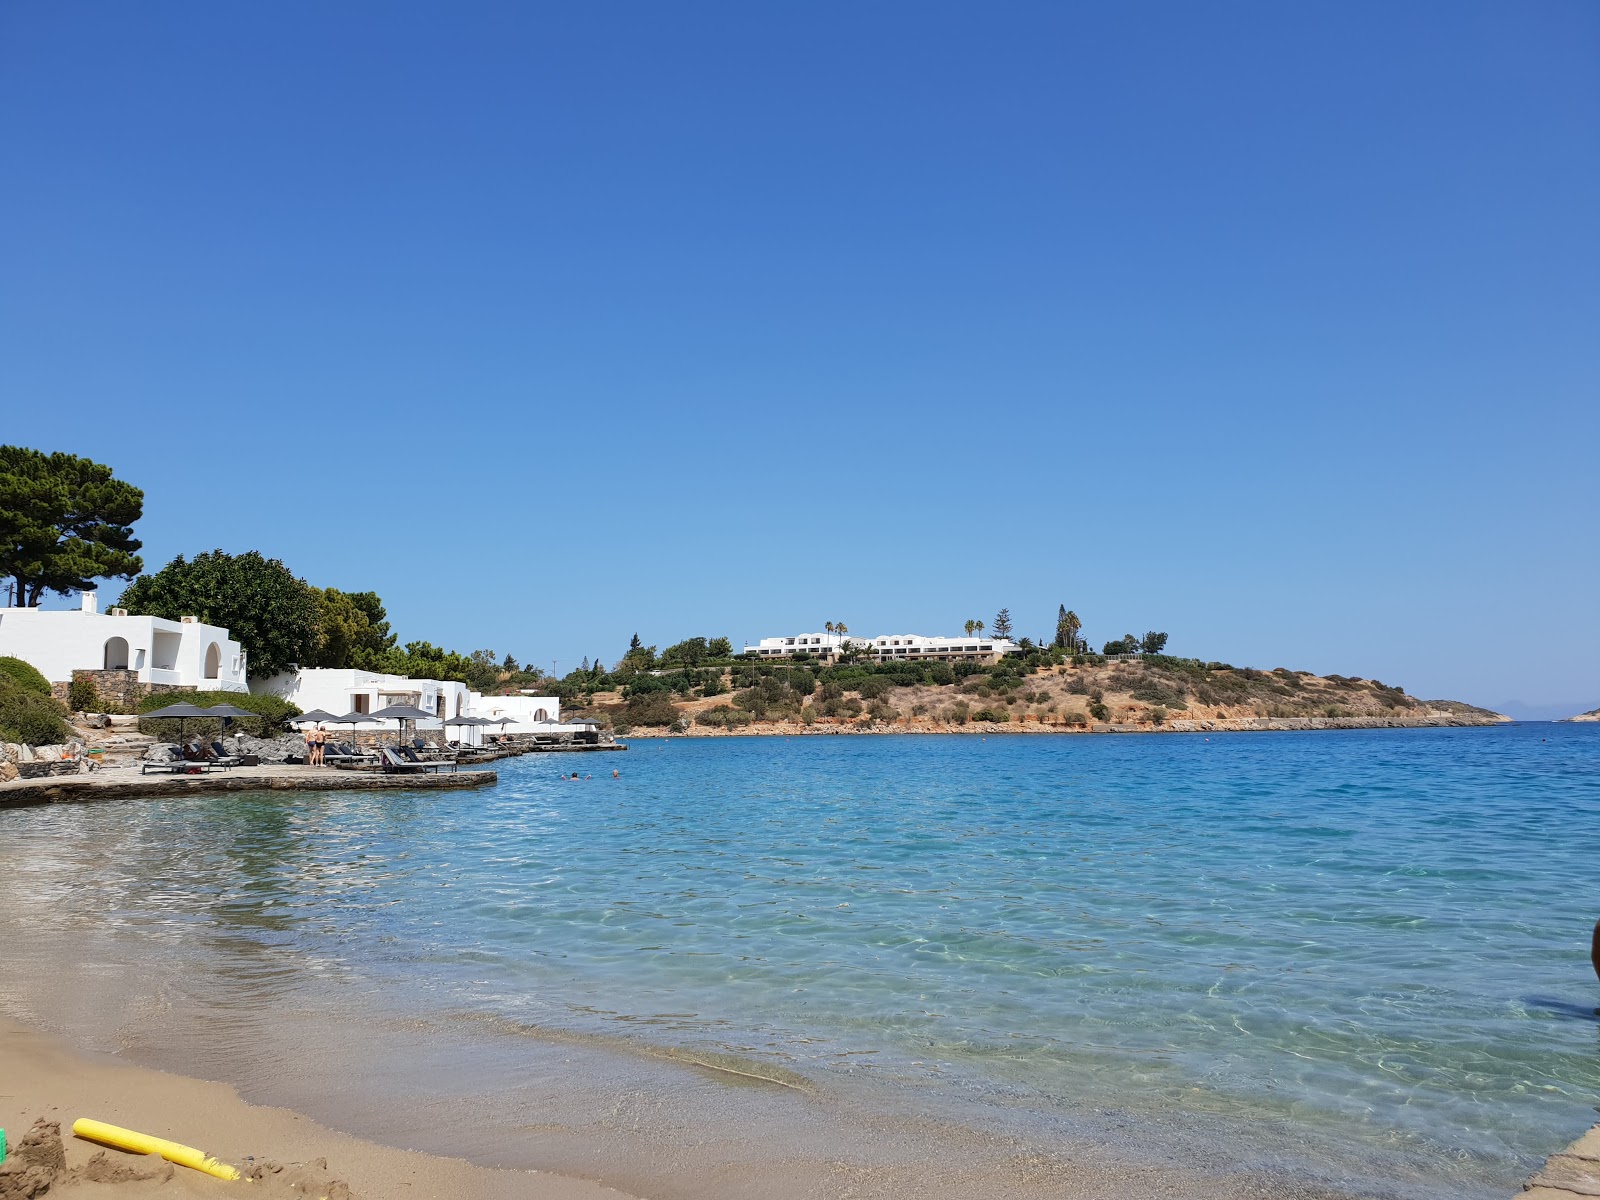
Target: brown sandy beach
293	1155
40	1077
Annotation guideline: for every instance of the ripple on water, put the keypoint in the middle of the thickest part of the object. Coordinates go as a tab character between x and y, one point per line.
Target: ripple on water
1376	939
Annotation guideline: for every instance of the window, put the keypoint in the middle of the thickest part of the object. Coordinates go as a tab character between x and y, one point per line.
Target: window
363	702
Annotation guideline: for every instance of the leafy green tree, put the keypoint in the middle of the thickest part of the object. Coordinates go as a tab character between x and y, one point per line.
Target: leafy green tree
64	522
510	665
635	644
424	660
377	637
1153	643
1002	623
719	647
262	603
690	652
351	629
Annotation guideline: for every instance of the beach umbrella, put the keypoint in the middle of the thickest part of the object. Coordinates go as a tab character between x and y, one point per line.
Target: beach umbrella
352	719
466	722
403	713
315	715
228	712
179	713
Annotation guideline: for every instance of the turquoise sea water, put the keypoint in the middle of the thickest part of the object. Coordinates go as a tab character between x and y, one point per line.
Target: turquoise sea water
1368	946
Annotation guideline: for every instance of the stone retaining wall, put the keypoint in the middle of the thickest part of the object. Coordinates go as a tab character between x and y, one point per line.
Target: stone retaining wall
119	691
371	739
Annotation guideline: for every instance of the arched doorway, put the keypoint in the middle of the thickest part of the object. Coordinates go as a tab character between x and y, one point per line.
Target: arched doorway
213	660
539	714
116	654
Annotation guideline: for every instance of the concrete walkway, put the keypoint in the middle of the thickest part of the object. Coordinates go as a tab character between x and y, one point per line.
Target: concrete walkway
1571	1175
122	783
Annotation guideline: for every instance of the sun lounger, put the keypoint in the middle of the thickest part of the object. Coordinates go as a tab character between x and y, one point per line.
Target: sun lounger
176	766
223	758
345	754
393	762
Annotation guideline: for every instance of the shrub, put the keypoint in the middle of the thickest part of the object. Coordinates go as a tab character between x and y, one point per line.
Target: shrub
28	717
1078	686
25	675
272	713
1158	715
82	696
875	688
958	712
1076	719
723	716
1099	711
879	710
991	714
941	674
656	708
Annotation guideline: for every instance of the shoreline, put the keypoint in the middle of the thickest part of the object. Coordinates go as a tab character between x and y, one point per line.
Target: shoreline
822	727
45	1077
639	1150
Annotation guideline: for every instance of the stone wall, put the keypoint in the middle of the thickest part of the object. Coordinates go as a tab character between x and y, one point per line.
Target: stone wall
119	691
371	739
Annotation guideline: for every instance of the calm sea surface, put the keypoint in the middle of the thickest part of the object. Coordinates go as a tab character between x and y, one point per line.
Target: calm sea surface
1371	944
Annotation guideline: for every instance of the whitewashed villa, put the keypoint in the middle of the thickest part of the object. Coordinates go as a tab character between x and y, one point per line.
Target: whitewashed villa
890	647
123	656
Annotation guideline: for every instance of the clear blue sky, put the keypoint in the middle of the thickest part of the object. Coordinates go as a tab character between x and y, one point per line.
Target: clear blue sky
1274	326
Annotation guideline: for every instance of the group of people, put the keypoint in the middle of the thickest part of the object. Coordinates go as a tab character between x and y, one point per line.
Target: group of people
316	745
575	775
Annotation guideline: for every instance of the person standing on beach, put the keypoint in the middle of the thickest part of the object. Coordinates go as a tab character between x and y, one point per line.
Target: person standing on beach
311	745
320	747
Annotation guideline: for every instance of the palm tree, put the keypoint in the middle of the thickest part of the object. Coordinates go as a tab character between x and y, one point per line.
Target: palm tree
841	628
969	627
978	625
828	626
1067	628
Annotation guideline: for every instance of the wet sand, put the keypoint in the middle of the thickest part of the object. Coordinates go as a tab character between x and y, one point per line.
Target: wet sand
41	1077
614	1128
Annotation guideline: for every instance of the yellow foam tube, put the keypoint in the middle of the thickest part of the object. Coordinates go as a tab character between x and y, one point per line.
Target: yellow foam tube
143	1143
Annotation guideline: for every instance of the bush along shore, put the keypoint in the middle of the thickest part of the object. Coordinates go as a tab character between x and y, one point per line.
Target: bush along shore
1042	692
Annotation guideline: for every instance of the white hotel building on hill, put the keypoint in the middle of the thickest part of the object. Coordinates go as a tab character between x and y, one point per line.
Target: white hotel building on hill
890	648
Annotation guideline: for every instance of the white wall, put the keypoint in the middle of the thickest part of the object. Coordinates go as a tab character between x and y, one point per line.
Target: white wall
58	642
524	710
335	690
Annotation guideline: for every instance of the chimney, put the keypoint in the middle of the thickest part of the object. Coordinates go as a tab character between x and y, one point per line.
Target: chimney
91	602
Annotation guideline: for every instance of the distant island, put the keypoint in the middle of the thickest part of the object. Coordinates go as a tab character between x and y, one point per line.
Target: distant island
1040	691
1592	715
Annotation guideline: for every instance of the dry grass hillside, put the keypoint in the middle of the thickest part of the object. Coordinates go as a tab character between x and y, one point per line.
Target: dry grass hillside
1146	694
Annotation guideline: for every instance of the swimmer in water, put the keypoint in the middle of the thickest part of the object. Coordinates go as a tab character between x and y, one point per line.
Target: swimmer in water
616	774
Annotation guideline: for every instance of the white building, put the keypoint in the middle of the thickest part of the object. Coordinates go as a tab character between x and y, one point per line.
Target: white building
185	653
341	691
889	648
344	691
